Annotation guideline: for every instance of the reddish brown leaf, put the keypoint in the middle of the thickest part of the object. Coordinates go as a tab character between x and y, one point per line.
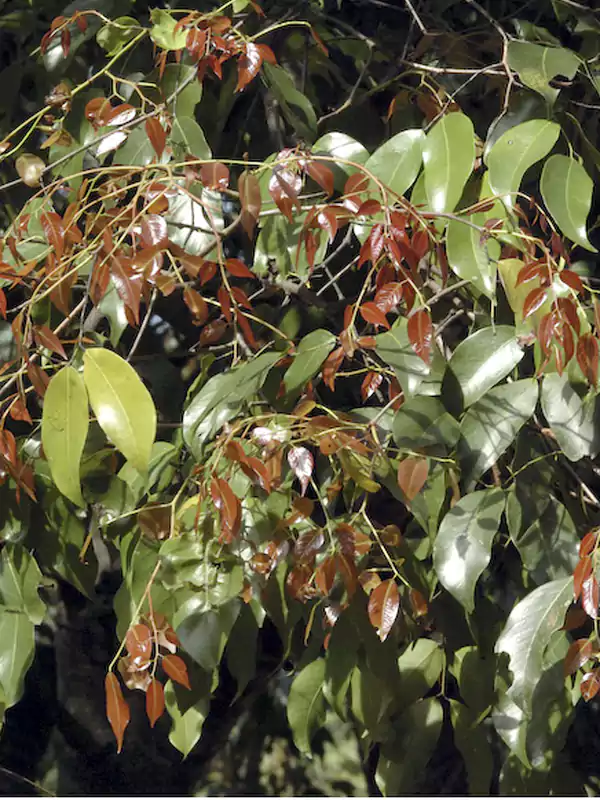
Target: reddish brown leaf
65	41
138	641
128	284
215	176
197	305
331	365
418	603
533	301
227	503
155	701
590	683
308	545
175	668
590	596
348	571
248	65
388	297
587	357
117	710
325	575
576	618
578	653
250	200
568	309
45	337
588	543
196	43
572	280
298	583
420	333
267	54
54	232
412	474
384	604
157	135
238	269
213	332
581	573
302	464
154	231
531	271
39	379
356	184
120	115
371	313
321	174
370	384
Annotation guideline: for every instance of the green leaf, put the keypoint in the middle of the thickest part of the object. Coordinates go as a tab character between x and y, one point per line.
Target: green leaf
573	420
187	138
20	578
448	156
424	424
138	150
517	150
184	102
340	145
191	223
342	655
527	633
405	756
163	31
483	359
187	724
306	706
471	258
548	546
113	36
310	355
489	427
420	666
538	65
122	405
295	106
16	654
462	549
398	161
65	422
475	674
472	741
205	635
241	649
277	244
567	191
221	399
113	308
414	375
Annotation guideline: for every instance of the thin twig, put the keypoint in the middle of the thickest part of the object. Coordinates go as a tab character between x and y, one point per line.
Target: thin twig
415	16
143	326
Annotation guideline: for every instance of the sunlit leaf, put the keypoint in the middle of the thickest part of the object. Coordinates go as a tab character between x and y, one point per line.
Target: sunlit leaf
567	191
448	156
306	705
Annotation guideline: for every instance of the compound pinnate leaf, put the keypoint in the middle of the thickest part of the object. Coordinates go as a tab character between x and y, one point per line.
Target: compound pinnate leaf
517	150
567	191
123	406
462	549
65	421
527	633
306	704
448	156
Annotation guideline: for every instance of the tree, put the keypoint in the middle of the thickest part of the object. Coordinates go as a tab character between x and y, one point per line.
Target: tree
300	340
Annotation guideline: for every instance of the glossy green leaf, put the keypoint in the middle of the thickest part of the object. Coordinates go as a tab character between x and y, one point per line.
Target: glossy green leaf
123	406
405	756
113	308
179	84
472	741
397	162
471	256
113	36
549	544
574	420
17	634
341	146
462	549
241	648
65	422
342	656
517	150
483	359
278	242
20	578
310	355
192	220
567	191
537	65
204	635
420	666
306	706
490	426
163	31
138	150
295	106
221	398
475	673
423	423
187	724
448	156
527	633
414	375
187	138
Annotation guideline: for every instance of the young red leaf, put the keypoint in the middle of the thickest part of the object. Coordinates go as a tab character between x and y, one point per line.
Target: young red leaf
215	176
412	474
267	54
590	596
54	231
302	464
581	573
533	301
45	337
197	305
370	384
225	302
248	65
250	200
587	357
388	297
418	603
308	545
155	701
227	503
590	683
420	333
572	280
331	365
154	231
325	575
530	271
213	332
348	571
587	544
117	710
157	135
384	604
238	269
284	187
321	174
196	43
371	313
327	220
578	653
175	668
356	184
568	309
65	41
